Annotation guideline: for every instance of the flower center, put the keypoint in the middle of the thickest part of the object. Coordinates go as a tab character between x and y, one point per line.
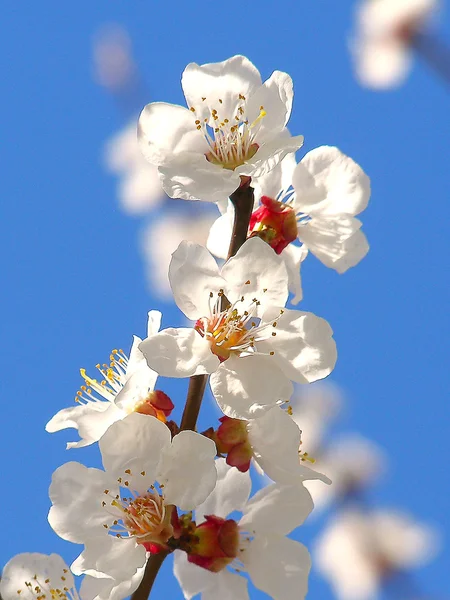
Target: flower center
46	589
145	516
231	138
233	330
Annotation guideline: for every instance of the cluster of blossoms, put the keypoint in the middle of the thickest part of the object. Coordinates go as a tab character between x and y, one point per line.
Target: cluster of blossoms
166	488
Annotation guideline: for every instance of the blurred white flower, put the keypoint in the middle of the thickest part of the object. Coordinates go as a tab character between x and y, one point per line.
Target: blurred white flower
313	407
139	188
352	462
162	237
112	57
358	550
385	30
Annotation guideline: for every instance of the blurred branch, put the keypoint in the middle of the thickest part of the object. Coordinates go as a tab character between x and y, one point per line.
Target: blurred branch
434	52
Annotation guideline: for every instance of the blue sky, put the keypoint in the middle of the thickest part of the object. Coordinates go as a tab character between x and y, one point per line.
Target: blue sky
73	280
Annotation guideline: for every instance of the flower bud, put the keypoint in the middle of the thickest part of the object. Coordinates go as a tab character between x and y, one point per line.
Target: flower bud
232	439
157	404
275	223
216	545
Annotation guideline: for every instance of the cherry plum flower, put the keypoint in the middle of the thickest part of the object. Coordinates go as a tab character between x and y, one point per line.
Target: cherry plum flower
359	550
127	385
314	202
124	513
244	337
139	187
224	547
272	441
234	126
385	33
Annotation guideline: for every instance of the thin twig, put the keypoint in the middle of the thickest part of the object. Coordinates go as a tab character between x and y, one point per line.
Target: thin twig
154	563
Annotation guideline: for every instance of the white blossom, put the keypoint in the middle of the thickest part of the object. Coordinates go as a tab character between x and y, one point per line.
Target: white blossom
243	336
384	32
120	513
276	564
234	125
352	462
139	187
37	576
359	549
322	193
126	383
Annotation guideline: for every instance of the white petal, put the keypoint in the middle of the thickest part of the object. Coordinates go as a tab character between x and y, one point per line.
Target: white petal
278	566
275	441
256	271
247	387
220	234
381	63
277	509
154	322
109	556
193	275
179	353
220	84
193	580
275	96
165	130
303	345
329	183
277	180
91	420
228	586
270	154
231	492
187	469
335	241
293	257
135	443
192	177
106	588
26	567
77	494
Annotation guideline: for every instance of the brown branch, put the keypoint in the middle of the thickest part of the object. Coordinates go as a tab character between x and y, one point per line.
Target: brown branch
154	563
242	200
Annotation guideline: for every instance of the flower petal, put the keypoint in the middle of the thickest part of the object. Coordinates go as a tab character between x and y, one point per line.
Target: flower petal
256	271
121	559
91	421
277	180
277	509
231	492
247	387
275	439
179	353
337	242
275	96
187	469
135	443
270	154
192	177
293	257
28	567
76	493
304	348
278	566
165	130
220	234
193	276
329	183
219	86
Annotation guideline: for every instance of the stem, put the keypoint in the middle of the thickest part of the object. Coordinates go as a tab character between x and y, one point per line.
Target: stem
242	200
151	571
434	52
